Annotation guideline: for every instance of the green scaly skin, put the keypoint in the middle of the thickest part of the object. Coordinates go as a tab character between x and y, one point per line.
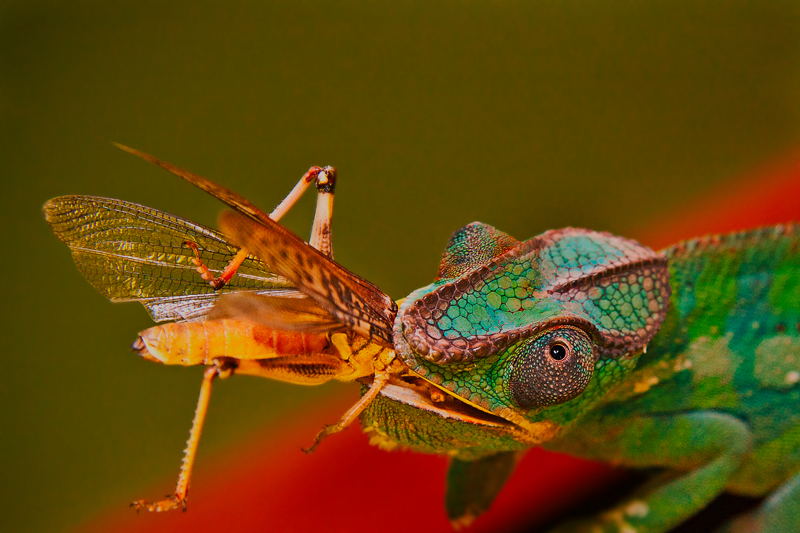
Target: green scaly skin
707	386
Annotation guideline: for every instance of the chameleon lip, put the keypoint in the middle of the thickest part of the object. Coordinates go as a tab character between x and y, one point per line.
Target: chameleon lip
452	407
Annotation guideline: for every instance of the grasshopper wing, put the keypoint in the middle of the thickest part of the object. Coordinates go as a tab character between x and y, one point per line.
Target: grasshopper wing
355	302
286	313
234	200
130	252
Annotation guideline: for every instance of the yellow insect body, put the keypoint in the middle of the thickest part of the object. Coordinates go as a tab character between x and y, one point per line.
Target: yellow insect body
198	343
253	349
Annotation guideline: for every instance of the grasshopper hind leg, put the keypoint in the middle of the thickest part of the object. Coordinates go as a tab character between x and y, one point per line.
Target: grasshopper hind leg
221	369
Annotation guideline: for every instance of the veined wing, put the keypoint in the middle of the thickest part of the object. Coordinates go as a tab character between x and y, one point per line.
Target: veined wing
132	252
354	301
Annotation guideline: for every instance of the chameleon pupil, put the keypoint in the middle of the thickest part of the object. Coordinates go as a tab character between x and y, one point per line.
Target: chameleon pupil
558	352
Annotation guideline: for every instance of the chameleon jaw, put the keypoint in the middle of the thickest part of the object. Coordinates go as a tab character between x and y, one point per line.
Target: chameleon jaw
450	407
416	392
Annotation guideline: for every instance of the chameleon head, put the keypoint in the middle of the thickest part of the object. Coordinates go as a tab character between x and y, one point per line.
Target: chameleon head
516	328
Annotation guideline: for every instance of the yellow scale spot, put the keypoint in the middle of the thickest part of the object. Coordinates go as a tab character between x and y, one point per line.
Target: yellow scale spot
777	362
682	363
644	386
712	357
637	508
380	439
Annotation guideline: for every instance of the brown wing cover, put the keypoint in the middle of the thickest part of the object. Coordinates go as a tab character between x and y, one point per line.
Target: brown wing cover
357	303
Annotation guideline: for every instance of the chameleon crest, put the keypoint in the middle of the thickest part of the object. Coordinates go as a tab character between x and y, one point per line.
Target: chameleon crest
493	292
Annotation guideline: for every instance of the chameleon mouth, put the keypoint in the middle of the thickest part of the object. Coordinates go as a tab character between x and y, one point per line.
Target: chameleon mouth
417	393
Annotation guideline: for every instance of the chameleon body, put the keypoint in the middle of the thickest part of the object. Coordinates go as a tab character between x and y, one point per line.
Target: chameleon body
686	359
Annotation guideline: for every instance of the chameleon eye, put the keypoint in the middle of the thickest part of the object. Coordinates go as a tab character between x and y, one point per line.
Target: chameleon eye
551	368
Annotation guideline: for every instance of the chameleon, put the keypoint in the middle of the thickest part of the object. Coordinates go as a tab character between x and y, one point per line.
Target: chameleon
581	342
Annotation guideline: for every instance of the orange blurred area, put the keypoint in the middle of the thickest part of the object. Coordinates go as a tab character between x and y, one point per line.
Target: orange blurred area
765	196
348	485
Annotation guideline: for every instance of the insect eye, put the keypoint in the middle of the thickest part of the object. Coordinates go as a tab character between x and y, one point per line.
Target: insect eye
558	351
551	368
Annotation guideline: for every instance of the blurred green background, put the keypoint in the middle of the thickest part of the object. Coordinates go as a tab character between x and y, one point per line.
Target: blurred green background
524	115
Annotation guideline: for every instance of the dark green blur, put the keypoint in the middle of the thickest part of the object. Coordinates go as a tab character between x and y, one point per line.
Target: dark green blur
524	115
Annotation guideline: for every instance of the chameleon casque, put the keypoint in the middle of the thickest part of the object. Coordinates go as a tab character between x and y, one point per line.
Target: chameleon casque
581	342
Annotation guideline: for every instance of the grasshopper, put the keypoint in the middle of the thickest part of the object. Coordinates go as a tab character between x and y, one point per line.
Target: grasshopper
686	359
224	307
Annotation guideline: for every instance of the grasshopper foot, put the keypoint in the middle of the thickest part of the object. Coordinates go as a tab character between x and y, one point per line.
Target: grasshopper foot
324	432
169	503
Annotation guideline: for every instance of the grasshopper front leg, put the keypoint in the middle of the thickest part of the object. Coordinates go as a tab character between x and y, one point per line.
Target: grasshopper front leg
324	179
705	448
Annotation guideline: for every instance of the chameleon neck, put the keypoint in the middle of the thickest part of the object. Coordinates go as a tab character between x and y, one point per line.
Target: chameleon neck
744	285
